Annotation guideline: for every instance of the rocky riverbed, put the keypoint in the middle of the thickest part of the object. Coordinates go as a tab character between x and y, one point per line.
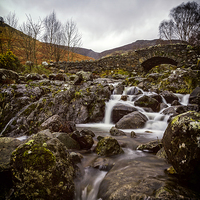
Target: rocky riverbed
83	137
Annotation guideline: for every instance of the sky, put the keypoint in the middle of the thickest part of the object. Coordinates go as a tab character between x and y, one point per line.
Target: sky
103	24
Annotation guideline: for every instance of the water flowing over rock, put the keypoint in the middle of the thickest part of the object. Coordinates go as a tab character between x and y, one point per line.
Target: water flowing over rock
42	168
169	96
132	121
181	141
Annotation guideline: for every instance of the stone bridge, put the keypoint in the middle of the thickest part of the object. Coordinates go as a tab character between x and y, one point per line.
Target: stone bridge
141	60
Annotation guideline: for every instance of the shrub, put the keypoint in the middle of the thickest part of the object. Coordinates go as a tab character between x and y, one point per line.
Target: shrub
9	61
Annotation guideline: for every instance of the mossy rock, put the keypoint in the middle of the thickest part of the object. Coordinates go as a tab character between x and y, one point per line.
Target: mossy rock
181	142
108	146
42	169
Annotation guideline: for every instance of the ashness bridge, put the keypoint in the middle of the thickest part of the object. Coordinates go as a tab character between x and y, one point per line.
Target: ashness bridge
141	60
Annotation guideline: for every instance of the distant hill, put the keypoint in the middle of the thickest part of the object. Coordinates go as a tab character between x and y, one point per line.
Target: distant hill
129	47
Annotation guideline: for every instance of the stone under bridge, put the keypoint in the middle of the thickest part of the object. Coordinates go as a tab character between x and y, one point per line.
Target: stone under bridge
141	60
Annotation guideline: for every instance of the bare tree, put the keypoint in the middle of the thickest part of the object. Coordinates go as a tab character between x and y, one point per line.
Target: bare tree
51	27
166	30
10	30
186	22
72	38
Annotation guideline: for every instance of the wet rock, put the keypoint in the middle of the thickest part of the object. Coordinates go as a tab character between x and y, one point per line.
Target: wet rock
124	97
163	105
141	178
169	96
133	134
116	132
56	124
148	102
76	157
108	146
134	91
161	153
8	76
103	163
69	142
132	121
175	103
169	111
181	142
41	168
119	110
153	146
157	97
195	96
119	89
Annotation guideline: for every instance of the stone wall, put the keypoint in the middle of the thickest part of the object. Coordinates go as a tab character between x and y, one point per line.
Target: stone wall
139	60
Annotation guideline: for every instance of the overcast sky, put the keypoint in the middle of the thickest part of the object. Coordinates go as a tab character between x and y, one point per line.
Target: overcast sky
104	24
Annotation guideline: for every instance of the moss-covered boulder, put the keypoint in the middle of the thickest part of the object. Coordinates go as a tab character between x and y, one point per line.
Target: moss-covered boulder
108	146
42	169
181	142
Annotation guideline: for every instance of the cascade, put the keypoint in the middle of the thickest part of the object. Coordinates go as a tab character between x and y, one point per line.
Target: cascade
88	187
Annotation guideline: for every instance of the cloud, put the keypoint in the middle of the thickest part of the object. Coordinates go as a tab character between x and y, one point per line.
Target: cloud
104	24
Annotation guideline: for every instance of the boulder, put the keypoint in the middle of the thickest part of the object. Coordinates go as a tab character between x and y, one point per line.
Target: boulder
181	142
85	76
116	132
169	96
148	102
42	169
195	96
141	178
56	124
133	120
59	77
108	146
87	132
103	163
8	76
157	97
119	89
33	77
119	110
69	142
134	91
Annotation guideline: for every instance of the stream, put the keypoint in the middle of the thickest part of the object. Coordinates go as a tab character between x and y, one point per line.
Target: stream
87	187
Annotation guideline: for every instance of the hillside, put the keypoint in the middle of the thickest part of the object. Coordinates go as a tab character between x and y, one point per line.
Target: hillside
129	47
17	38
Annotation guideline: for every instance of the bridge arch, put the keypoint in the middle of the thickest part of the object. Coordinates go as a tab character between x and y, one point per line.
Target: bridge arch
154	61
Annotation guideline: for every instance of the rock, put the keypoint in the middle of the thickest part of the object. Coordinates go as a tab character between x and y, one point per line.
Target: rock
119	110
104	164
116	132
141	178
108	146
59	77
8	76
181	142
134	91
161	153
85	141
148	102
76	157
124	97
153	146
119	89
169	111
133	134
175	103
33	77
69	142
163	105
85	76
99	137
56	124
195	96
132	121
87	132
7	146
157	97
42	169
169	96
